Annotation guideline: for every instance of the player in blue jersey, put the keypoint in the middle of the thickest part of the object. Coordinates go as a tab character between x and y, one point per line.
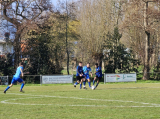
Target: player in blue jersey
16	78
98	75
79	75
86	70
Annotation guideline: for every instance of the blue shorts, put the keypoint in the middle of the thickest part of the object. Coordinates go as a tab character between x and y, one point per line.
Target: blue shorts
15	79
87	76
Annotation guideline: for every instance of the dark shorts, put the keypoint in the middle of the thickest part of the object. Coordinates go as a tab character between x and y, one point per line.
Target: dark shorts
98	78
79	78
15	79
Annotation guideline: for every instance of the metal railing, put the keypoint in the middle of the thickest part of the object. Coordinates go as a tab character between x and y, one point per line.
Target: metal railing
36	79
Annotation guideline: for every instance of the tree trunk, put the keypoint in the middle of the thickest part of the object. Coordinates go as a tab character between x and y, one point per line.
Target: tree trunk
98	58
147	43
146	60
67	39
17	50
99	61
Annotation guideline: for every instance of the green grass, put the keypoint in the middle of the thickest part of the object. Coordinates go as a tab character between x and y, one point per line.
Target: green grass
66	102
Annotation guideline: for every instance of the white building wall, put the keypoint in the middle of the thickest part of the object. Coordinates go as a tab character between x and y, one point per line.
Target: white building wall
1	49
6	47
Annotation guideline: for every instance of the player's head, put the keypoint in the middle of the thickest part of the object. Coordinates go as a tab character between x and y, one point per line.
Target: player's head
88	64
80	64
21	64
96	65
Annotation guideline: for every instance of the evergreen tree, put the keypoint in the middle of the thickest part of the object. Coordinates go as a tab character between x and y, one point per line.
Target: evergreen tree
6	67
119	57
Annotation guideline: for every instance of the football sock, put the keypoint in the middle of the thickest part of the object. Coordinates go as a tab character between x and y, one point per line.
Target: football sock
76	83
22	85
97	85
84	83
7	88
89	83
80	86
93	82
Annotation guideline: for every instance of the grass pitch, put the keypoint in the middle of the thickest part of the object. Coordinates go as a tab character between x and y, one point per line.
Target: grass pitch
109	101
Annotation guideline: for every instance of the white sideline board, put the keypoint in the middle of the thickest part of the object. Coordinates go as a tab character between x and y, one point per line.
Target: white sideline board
120	77
56	79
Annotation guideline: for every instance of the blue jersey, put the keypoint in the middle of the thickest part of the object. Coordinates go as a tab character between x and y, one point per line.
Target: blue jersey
86	70
18	72
79	70
99	71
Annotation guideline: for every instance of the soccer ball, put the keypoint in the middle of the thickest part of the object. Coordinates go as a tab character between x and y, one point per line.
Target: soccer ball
93	87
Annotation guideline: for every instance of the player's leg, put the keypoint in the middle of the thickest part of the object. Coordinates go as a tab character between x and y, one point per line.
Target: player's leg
84	83
89	81
94	80
8	87
98	81
82	80
78	81
12	82
22	85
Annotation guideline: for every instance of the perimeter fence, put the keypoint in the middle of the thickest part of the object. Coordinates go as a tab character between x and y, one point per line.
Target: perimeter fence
37	79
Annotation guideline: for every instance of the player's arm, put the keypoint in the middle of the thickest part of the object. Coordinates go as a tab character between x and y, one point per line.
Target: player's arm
91	74
21	72
78	71
96	72
82	72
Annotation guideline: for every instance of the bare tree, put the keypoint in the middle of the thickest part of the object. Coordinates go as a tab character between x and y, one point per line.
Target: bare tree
143	14
21	13
95	19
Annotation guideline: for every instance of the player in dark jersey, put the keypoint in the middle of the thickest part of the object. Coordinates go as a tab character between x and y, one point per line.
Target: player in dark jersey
98	75
79	75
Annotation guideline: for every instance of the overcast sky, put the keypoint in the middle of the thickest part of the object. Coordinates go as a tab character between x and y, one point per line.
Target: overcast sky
55	1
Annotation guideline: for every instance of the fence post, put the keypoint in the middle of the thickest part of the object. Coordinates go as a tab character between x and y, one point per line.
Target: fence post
40	79
104	78
8	79
136	77
72	78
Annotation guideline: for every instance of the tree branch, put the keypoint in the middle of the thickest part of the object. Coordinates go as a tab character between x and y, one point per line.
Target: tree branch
12	20
39	13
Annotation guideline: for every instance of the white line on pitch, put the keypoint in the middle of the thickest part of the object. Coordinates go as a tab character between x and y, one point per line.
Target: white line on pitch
36	96
5	102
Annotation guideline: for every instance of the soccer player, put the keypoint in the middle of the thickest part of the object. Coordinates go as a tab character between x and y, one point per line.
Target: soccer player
98	75
86	70
79	75
16	78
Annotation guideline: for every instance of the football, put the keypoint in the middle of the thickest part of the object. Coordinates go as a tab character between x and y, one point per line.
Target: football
93	87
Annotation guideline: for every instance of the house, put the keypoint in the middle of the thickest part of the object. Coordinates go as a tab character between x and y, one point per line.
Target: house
5	48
